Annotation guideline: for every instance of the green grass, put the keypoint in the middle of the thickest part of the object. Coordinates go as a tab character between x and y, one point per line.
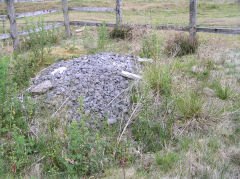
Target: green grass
222	92
158	78
167	161
189	105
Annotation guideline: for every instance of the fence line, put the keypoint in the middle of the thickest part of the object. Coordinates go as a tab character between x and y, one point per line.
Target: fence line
192	28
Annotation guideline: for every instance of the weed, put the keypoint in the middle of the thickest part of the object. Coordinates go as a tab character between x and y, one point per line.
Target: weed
181	44
102	36
121	32
189	105
88	39
150	134
39	41
158	78
14	116
221	92
151	47
167	160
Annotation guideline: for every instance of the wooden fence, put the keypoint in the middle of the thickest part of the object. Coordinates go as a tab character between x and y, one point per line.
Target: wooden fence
192	28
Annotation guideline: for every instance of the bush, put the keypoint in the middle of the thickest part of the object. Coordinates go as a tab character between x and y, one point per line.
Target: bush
158	78
39	42
181	44
151	47
189	105
121	32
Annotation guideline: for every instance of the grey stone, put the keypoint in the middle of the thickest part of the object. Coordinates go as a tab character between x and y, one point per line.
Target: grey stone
111	121
42	88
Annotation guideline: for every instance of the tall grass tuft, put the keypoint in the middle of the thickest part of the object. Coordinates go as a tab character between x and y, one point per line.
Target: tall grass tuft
158	78
151	47
221	92
102	36
189	105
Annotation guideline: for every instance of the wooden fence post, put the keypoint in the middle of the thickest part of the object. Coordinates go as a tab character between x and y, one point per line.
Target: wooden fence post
13	24
66	17
193	19
119	12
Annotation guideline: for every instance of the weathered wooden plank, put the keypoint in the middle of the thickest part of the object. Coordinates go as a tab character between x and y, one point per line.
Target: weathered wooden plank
219	30
13	25
6	36
92	9
66	17
35	13
82	23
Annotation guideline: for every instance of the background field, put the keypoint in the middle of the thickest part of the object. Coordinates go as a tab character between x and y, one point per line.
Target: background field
155	12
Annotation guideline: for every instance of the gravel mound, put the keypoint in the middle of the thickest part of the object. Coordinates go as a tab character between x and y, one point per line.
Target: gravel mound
96	79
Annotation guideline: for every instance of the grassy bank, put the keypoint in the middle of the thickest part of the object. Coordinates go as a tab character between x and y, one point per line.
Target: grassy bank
185	115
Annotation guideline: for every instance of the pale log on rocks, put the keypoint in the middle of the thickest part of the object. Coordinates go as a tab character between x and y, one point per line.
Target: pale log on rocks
131	75
145	60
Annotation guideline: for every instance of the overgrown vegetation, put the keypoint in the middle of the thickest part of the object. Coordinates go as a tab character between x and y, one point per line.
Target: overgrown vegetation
121	32
174	130
158	78
151	47
221	92
36	51
189	104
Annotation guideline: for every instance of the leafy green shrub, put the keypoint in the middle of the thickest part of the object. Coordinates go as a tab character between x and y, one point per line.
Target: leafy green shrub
189	105
158	78
221	92
180	44
39	41
25	68
14	114
121	32
167	160
84	151
151	47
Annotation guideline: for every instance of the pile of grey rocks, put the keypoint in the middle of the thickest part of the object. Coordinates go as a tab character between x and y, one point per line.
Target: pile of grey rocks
96	79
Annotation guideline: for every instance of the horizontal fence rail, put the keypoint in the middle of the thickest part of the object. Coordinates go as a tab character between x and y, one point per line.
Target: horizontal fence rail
50	11
49	27
218	30
92	9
